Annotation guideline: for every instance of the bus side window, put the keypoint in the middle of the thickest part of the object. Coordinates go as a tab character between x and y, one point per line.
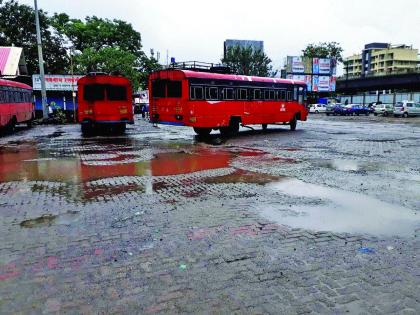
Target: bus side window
94	92
242	94
295	93
289	95
302	95
267	95
1	96
196	93
212	93
257	94
272	95
227	94
116	92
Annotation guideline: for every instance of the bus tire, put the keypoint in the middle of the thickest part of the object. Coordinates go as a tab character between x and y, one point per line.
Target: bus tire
232	129
87	129
264	127
293	123
121	128
202	131
11	125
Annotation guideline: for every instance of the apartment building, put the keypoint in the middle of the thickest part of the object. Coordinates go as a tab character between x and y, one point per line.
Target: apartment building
382	59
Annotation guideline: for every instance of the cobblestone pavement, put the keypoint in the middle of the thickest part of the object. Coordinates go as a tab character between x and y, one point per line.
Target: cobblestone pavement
322	220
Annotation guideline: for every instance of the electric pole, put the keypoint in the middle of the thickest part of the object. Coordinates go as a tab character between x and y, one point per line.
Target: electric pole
41	64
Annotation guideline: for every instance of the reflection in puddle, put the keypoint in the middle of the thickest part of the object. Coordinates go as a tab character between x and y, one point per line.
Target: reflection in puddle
49	219
243	176
343	211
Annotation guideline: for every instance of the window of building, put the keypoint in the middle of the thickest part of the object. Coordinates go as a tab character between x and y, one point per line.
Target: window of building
158	88
196	93
212	93
227	94
116	92
94	92
174	89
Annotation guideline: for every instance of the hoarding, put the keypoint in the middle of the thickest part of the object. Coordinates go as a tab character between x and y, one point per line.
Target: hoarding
323	83
297	65
56	82
324	66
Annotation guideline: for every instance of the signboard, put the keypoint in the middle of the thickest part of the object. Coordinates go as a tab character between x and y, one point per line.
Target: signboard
297	65
298	77
323	83
56	82
315	82
324	66
308	81
315	65
333	83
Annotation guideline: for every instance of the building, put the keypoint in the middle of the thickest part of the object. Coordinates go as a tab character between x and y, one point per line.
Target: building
255	44
382	59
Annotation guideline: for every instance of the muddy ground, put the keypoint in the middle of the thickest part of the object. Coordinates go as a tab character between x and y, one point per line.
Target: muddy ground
321	220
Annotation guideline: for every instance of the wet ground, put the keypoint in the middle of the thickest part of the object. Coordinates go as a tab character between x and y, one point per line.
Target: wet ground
321	220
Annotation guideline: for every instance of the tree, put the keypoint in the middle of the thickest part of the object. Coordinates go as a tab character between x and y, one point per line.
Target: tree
98	33
109	60
17	28
324	50
248	61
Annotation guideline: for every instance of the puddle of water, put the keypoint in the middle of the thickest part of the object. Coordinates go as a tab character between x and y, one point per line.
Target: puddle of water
50	219
341	211
243	176
352	165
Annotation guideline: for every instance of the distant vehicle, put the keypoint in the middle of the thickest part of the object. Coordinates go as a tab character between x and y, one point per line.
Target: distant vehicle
212	101
331	108
104	100
16	105
406	109
383	109
355	109
318	108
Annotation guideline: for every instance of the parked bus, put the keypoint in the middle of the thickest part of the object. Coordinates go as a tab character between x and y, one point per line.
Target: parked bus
16	104
207	101
104	101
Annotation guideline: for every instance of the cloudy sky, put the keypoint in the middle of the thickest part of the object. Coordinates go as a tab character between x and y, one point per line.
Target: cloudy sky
195	30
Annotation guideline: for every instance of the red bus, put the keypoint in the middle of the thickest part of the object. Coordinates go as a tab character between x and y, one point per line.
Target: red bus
16	104
207	101
104	100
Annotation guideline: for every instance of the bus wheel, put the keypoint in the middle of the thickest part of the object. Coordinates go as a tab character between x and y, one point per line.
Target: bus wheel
11	125
293	123
264	127
230	130
202	131
87	129
121	128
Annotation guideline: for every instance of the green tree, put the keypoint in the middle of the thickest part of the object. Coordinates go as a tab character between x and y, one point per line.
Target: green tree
109	60
98	33
17	28
248	61
324	50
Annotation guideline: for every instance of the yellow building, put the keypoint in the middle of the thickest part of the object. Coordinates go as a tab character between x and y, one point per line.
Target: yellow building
382	59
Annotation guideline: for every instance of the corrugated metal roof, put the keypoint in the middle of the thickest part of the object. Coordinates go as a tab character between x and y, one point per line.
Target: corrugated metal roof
9	60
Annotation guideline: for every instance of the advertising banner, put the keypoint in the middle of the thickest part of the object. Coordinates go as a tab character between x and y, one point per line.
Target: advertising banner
56	82
323	84
298	77
315	65
308	80
315	82
333	82
297	65
324	66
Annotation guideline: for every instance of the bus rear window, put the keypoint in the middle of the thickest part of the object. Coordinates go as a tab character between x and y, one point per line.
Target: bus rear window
94	92
174	89
158	88
117	92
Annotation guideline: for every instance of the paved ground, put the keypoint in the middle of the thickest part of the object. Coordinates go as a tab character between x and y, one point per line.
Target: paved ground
321	220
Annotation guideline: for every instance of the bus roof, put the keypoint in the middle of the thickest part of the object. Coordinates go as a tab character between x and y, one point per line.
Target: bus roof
14	84
235	77
103	79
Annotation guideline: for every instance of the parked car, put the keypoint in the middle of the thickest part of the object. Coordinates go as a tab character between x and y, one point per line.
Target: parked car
355	109
317	108
406	108
383	109
334	109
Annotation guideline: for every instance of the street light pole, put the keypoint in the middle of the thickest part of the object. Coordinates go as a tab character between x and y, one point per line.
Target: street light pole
41	64
73	94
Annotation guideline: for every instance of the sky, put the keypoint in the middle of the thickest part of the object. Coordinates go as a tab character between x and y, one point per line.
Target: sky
195	30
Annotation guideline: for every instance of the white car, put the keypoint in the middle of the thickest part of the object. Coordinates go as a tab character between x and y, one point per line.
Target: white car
407	108
317	108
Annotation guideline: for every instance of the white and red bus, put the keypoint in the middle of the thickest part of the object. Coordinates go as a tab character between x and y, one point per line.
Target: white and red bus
16	104
213	101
